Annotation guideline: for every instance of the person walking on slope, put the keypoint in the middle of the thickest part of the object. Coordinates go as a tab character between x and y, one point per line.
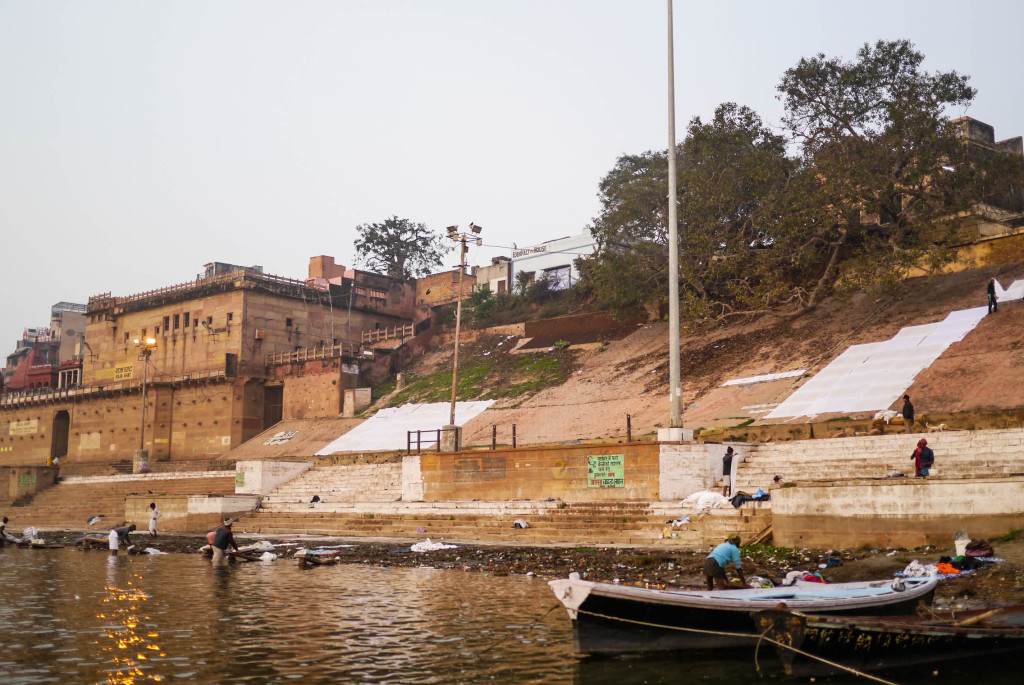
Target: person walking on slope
154	514
993	304
908	414
715	563
923	458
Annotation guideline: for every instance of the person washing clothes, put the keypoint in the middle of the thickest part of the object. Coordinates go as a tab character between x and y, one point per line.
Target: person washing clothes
923	458
715	563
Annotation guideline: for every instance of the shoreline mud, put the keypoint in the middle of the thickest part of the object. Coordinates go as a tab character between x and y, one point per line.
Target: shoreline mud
996	584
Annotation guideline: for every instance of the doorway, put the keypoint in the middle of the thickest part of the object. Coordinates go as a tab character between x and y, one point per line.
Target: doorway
59	436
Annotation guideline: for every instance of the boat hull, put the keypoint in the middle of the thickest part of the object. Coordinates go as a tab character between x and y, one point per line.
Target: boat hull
612	619
891	643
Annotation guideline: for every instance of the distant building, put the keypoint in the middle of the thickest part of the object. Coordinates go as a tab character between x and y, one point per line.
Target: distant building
443	288
39	355
553	260
236	350
497	277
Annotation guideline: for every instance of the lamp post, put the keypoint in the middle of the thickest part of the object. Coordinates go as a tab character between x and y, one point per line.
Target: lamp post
451	438
145	346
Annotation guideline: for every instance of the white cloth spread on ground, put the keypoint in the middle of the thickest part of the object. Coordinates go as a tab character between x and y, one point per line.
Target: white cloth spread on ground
389	428
428	546
704	501
765	377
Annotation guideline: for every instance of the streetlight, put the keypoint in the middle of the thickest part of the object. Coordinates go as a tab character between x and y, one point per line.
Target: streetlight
145	347
461	238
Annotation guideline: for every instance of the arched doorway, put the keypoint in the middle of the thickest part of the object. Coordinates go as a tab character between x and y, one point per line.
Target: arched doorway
59	436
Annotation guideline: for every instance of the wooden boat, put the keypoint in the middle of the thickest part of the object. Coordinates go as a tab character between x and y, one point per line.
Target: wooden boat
318	558
612	619
870	643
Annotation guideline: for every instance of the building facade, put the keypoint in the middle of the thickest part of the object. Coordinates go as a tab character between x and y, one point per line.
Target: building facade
553	260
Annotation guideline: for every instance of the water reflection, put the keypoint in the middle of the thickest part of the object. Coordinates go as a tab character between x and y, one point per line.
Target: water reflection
103	619
128	647
71	617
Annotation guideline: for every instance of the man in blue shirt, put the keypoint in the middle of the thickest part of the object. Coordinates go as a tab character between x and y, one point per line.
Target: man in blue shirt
714	565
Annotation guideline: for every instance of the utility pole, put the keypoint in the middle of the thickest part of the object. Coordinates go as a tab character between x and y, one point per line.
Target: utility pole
452	433
675	391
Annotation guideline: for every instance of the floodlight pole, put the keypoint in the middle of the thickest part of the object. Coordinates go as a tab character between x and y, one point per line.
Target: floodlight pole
458	325
675	398
453	438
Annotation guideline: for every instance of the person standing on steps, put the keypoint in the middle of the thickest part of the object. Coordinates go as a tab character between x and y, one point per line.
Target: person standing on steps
993	304
908	414
727	472
923	458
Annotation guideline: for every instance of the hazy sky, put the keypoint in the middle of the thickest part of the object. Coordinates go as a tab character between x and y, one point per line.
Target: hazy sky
140	140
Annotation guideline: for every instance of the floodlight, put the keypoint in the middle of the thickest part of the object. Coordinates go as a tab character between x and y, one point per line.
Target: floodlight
473	227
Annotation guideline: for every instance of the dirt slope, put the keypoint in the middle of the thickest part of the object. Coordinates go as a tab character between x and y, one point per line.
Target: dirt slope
630	376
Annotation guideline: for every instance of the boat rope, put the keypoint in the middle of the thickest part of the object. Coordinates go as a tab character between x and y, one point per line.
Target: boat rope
761	638
540	617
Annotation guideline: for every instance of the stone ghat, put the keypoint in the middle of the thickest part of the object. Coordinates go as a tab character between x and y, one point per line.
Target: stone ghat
958	454
71	502
573	523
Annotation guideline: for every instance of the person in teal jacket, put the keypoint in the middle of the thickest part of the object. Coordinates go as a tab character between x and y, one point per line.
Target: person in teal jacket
714	565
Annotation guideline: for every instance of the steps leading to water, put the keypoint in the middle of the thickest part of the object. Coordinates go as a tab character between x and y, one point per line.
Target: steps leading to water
958	454
589	523
68	504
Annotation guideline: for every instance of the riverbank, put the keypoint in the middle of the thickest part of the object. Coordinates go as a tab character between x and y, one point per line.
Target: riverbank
998	583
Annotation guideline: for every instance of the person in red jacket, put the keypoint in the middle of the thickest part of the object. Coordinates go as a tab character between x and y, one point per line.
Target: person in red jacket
923	458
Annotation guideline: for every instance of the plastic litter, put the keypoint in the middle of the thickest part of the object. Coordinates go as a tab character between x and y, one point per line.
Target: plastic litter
960	541
759	581
520	523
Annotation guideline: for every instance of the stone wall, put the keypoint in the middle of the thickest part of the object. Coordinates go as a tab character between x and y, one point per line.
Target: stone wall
899	512
197	420
534	473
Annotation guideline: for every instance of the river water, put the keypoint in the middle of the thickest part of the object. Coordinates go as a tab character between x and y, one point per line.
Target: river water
68	616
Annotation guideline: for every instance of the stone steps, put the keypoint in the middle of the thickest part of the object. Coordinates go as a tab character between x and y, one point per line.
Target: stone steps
958	454
72	501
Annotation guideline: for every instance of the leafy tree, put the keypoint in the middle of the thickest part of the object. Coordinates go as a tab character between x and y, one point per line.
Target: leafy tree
731	169
884	172
880	182
400	248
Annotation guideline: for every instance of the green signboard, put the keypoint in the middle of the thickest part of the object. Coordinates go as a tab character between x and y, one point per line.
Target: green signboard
240	479
606	470
27	480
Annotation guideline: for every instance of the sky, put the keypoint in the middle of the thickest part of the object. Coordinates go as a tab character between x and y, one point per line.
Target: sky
141	140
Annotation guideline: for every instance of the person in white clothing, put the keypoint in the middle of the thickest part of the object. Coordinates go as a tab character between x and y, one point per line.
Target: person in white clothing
154	514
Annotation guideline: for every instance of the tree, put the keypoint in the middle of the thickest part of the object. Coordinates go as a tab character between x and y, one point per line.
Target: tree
731	169
399	248
884	173
882	181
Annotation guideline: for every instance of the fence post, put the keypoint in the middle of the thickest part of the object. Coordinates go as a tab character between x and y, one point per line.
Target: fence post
494	436
629	429
513	436
439	439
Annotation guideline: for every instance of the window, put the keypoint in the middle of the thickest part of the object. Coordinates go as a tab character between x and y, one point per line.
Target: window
158	330
195	320
187	314
177	321
126	336
209	322
167	323
231	315
288	322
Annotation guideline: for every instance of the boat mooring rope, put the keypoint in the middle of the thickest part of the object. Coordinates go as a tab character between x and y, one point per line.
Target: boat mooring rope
761	638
